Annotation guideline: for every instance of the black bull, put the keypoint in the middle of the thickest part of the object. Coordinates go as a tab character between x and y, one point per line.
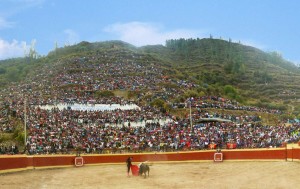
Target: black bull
144	168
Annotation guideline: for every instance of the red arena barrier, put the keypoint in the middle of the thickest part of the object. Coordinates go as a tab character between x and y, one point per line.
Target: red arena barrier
9	163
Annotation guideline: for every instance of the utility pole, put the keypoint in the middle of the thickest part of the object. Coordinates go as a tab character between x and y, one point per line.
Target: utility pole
190	106
191	115
25	120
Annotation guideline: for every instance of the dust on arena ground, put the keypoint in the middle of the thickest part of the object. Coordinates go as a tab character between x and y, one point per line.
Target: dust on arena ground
252	174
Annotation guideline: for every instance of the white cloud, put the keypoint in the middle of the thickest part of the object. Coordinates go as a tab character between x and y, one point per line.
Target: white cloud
13	7
12	49
4	23
71	37
140	33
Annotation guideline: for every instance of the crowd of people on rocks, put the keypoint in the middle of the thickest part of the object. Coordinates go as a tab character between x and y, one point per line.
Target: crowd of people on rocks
67	131
62	137
77	80
223	103
11	149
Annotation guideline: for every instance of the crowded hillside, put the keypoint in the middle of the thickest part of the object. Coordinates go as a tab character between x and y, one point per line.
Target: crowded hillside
168	115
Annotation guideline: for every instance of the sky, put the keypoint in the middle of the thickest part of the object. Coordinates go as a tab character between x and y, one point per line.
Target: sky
270	25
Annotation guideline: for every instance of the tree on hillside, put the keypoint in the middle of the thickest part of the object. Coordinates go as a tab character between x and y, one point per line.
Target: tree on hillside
231	92
2	71
13	74
32	54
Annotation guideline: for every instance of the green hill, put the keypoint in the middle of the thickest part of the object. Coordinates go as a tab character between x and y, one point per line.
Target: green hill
213	65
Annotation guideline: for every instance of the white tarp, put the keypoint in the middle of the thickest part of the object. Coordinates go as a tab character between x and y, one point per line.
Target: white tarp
91	107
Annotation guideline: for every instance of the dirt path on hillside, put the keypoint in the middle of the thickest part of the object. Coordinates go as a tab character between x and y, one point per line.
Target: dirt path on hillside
174	176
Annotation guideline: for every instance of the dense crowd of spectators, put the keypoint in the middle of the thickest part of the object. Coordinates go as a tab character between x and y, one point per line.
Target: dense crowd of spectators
223	103
76	80
11	149
64	137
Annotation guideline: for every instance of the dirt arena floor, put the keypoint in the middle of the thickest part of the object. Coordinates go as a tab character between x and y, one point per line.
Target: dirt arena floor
227	175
